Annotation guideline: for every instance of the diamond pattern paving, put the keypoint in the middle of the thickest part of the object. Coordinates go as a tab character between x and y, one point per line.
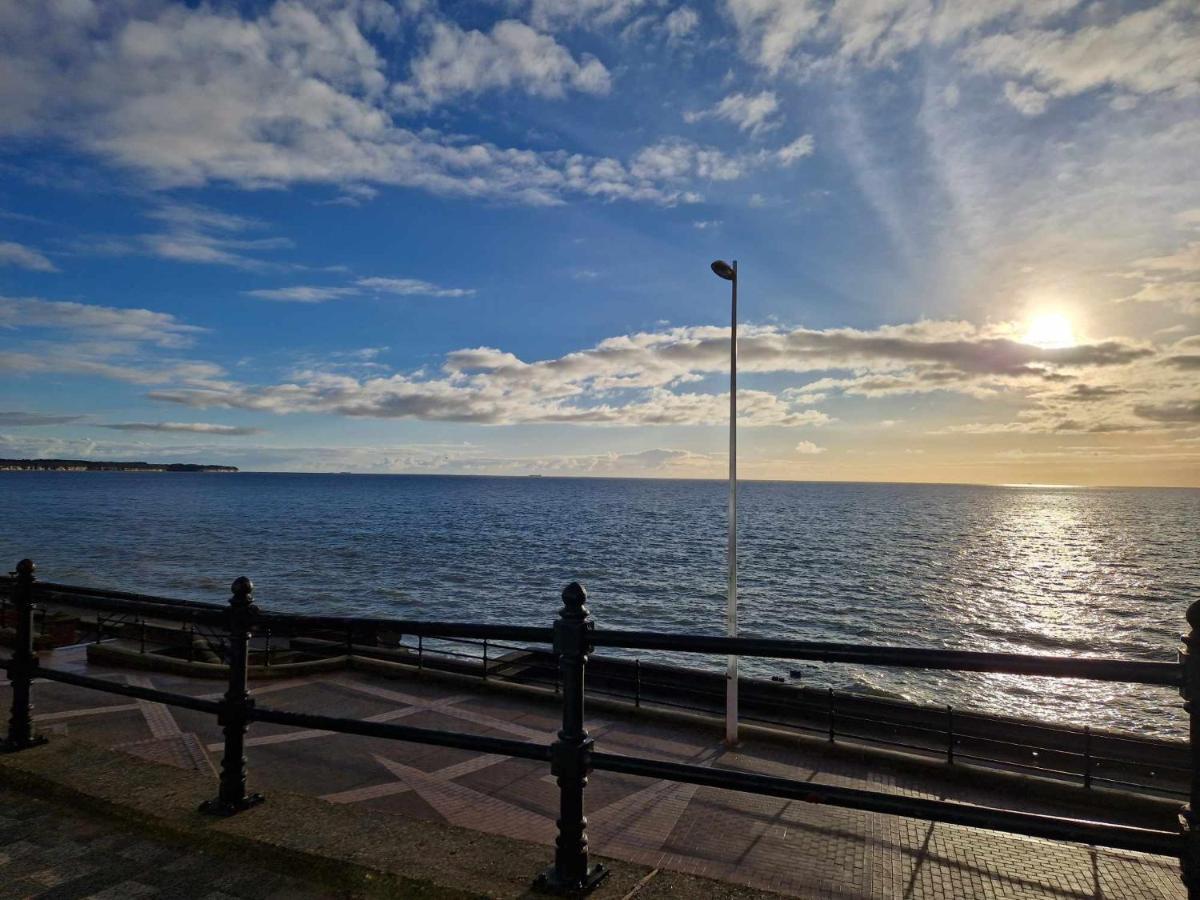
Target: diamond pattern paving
792	847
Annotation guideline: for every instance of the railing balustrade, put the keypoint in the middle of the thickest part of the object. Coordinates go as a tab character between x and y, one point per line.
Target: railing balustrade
573	756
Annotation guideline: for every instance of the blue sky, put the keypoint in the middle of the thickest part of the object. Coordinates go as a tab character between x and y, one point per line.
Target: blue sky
474	237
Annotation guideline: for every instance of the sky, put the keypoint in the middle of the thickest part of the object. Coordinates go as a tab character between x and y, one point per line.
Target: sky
422	237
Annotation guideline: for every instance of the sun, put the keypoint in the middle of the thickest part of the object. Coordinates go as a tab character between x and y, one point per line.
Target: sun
1050	331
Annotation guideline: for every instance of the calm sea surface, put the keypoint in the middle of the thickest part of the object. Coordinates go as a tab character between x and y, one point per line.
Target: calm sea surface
1036	569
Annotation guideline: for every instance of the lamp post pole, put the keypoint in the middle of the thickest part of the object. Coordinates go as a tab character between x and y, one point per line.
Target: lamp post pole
729	273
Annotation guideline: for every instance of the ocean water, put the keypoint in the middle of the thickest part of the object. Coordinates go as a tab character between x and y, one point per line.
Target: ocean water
1082	571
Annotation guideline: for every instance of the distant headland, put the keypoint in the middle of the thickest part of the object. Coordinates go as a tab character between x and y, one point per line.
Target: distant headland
89	465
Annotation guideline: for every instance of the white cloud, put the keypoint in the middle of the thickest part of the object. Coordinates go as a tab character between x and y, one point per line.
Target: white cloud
551	14
1149	51
1185	259
411	287
754	113
511	56
1032	43
1171	278
303	293
771	31
97	323
676	160
405	287
1028	101
11	418
636	379
189	427
102	342
191	95
192	233
808	448
680	22
798	149
13	254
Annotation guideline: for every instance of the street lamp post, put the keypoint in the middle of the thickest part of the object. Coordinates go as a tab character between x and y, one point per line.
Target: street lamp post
729	273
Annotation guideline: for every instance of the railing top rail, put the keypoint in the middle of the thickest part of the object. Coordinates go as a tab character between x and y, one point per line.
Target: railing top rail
74	590
477	630
214	613
206	615
1097	669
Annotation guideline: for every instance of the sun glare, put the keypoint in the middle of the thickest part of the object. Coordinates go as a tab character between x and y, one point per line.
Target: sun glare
1050	330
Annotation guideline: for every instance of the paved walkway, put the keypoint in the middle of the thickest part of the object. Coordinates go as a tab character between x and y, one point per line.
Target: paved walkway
48	852
792	847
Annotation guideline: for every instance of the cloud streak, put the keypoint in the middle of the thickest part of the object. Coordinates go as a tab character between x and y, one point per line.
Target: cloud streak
401	287
13	418
13	254
639	379
185	428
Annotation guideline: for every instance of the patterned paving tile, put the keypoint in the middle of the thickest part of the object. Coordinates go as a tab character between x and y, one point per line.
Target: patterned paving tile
795	848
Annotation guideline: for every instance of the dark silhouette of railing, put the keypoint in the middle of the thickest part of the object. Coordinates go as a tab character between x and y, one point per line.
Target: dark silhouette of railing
572	756
1074	755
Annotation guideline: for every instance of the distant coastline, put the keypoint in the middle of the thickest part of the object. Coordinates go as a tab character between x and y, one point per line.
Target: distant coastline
88	465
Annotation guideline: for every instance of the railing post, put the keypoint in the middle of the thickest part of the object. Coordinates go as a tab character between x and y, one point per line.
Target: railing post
571	753
1189	816
1087	756
235	708
22	664
949	734
831	714
485	659
420	653
637	682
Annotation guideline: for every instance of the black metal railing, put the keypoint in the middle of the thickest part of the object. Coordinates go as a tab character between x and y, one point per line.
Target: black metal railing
1069	754
572	756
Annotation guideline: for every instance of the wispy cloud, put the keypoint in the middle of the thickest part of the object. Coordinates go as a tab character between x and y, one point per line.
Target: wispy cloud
131	345
755	113
404	287
97	322
411	287
13	254
184	427
509	56
192	233
12	418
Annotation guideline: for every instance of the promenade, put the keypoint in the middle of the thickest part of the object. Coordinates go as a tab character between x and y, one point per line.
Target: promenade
790	847
46	851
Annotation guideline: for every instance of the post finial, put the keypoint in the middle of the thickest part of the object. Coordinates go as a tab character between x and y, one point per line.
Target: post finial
574	596
1193	616
25	568
242	588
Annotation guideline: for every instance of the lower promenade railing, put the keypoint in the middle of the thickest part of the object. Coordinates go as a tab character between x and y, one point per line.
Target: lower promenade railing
572	756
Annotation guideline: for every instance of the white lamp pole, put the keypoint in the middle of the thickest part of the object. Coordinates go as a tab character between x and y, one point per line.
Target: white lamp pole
729	273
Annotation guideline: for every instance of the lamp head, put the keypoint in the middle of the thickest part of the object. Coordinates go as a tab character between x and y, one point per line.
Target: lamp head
724	270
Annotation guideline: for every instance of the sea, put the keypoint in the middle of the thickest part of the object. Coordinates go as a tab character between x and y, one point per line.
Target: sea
1035	569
